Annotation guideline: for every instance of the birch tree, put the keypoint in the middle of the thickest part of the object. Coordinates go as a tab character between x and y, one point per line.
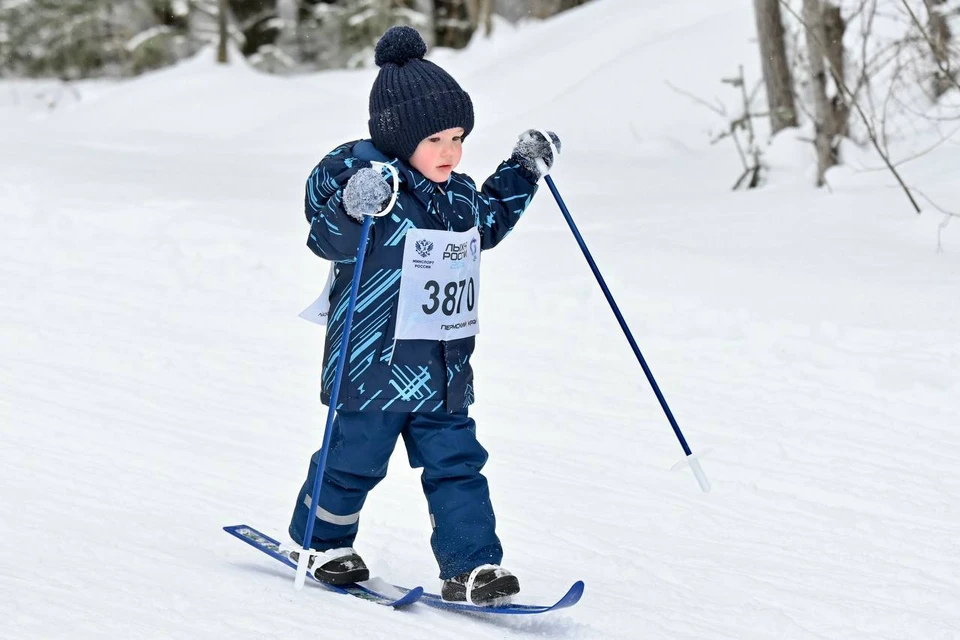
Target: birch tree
776	68
481	12
823	32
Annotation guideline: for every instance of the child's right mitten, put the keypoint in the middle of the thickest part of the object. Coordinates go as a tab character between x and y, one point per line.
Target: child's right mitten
365	193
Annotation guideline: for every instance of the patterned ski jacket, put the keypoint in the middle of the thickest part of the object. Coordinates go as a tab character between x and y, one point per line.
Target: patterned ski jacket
406	375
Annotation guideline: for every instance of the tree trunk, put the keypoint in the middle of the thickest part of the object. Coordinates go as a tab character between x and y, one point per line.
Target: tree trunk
427	29
833	28
823	113
222	22
288	11
776	69
940	43
453	23
473	7
481	13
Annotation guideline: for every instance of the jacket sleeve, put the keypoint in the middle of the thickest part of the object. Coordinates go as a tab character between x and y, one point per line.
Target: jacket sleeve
333	234
502	200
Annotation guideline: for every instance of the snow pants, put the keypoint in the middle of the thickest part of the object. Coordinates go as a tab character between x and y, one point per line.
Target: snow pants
444	445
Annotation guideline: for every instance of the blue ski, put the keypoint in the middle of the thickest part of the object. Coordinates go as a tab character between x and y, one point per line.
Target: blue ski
271	547
571	598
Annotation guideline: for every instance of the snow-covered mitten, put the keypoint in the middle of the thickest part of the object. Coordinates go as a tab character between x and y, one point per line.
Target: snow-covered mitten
534	153
365	193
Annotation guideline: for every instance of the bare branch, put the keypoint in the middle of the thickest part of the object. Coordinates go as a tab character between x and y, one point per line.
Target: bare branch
944	66
743	123
918	154
948	215
865	32
721	111
940	228
736	141
863	116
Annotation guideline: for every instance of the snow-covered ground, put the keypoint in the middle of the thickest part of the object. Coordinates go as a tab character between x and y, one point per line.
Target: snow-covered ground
157	384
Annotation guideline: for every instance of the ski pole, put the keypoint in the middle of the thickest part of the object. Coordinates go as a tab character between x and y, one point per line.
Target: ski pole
304	560
690	460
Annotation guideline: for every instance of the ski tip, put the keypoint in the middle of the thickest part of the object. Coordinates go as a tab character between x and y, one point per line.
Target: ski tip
572	596
412	596
569	599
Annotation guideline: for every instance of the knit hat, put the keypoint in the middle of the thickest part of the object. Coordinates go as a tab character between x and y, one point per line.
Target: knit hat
412	98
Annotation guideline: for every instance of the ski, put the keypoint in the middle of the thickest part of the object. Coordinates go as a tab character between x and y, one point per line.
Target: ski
374	590
569	599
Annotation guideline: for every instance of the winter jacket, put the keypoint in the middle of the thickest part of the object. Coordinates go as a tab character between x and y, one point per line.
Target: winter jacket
406	375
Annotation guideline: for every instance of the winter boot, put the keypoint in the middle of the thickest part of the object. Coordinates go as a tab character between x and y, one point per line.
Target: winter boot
337	566
487	584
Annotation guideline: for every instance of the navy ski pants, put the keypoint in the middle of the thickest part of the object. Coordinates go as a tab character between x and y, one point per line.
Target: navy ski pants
444	445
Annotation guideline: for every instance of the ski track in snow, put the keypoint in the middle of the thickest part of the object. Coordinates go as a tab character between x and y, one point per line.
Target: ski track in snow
158	384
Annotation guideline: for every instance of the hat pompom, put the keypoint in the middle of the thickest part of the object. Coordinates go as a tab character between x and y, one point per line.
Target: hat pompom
400	45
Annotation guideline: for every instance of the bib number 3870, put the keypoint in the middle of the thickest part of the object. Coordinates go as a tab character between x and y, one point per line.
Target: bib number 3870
455	294
439	285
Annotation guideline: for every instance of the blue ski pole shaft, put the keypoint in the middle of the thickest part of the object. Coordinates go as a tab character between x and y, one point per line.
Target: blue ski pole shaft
620	319
304	558
338	377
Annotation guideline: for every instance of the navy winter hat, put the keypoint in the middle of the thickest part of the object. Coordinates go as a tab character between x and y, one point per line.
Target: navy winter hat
412	97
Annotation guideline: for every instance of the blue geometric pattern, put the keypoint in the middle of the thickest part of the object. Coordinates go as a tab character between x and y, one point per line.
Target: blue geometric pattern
410	375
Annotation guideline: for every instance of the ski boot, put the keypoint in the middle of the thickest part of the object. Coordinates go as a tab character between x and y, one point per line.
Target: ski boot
338	566
486	585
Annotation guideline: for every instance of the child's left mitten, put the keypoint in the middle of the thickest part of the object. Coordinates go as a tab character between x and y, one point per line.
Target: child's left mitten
534	153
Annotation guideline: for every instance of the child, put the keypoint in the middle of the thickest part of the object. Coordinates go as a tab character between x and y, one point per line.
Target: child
408	366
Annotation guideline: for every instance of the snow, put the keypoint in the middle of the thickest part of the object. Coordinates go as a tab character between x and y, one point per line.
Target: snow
158	384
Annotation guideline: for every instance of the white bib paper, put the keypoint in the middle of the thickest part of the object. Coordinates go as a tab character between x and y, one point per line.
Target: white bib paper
319	311
439	285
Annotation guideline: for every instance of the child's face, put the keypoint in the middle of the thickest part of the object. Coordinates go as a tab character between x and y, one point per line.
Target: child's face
437	155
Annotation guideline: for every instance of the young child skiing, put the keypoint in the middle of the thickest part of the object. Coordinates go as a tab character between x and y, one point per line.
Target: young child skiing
408	368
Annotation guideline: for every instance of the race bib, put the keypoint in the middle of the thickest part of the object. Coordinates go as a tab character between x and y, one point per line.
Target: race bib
319	311
439	285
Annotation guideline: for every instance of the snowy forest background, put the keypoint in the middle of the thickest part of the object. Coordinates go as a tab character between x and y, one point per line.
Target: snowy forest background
850	71
157	383
83	38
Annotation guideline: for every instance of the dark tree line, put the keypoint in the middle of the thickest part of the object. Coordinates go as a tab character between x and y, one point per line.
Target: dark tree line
74	39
